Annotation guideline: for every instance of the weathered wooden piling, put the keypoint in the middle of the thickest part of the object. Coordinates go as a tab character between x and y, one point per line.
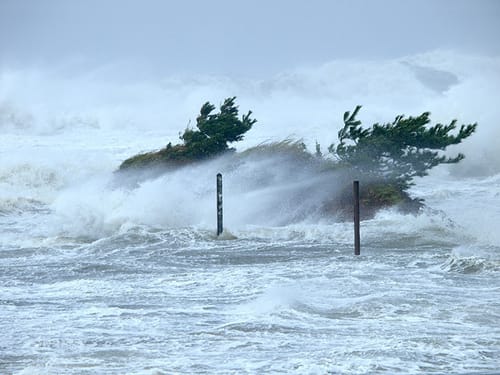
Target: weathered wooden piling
220	227
357	246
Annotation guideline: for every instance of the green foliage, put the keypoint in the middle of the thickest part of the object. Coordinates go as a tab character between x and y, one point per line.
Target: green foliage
381	195
399	151
386	157
295	148
214	132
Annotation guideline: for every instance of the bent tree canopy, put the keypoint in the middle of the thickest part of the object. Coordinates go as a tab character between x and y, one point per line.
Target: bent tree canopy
215	131
396	152
212	137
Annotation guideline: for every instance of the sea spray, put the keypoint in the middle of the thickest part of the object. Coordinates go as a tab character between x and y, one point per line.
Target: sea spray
305	103
65	137
262	187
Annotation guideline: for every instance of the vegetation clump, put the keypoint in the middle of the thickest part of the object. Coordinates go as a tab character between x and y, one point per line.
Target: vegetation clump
396	152
211	138
385	158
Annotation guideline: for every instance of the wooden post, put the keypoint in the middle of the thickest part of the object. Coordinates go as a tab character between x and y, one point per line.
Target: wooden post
357	246
220	227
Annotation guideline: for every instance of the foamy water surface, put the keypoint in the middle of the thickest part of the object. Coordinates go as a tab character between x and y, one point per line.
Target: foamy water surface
101	277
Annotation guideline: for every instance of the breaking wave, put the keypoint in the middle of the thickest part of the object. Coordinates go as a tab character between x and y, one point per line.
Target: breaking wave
65	135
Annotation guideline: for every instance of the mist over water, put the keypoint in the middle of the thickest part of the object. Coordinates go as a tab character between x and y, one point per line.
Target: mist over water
100	276
64	133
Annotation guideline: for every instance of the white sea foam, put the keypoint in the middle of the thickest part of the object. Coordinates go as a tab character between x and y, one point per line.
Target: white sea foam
66	134
107	277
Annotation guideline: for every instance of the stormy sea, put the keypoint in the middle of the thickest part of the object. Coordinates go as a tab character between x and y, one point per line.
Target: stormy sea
103	277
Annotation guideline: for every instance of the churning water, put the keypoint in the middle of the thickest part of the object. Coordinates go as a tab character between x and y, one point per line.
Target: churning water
99	277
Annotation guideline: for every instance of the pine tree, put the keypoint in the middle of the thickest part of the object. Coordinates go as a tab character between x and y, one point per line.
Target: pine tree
396	152
212	137
215	131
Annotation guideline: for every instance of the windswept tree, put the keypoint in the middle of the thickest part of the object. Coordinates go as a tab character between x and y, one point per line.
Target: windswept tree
394	153
212	136
216	130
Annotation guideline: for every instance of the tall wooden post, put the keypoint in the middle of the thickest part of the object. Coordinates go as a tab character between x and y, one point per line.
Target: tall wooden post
220	227
357	246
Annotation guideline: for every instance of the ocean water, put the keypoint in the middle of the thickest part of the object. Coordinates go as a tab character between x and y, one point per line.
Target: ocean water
100	277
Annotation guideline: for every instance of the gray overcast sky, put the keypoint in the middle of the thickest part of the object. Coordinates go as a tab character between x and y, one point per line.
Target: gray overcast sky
239	37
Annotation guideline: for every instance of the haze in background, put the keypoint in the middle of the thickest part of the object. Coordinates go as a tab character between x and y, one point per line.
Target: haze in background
127	76
243	38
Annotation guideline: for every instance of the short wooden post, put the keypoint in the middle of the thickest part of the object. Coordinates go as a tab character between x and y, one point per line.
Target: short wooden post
220	227
357	246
